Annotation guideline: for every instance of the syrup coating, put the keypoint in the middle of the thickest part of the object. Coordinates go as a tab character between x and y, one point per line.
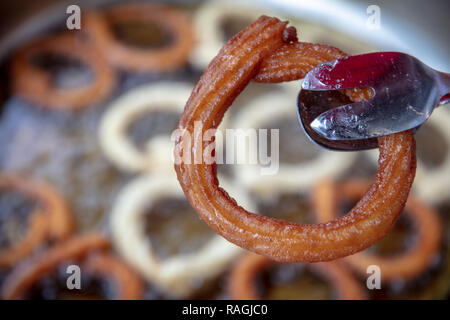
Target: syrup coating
51	220
373	216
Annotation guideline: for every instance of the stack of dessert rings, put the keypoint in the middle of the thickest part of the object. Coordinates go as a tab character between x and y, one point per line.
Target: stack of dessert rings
243	284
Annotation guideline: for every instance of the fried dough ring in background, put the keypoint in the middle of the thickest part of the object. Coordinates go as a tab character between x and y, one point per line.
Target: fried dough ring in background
51	220
176	274
129	286
134	59
293	61
36	85
371	218
405	265
290	177
241	285
27	274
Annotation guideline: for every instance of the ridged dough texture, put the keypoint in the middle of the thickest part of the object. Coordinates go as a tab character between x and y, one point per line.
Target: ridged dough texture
238	62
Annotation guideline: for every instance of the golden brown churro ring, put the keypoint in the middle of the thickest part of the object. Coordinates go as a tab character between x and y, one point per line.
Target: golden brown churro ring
128	284
24	276
432	183
372	217
293	61
138	59
404	265
243	277
37	85
51	220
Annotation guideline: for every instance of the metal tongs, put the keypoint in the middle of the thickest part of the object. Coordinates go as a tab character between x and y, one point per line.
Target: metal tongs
406	91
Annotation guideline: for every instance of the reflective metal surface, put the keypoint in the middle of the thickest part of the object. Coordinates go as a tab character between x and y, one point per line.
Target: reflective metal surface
406	93
419	28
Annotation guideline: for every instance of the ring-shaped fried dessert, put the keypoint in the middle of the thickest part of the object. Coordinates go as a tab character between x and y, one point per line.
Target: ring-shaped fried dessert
137	59
373	216
36	84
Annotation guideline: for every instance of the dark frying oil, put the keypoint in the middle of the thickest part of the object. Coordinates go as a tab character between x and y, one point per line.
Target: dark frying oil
293	281
54	287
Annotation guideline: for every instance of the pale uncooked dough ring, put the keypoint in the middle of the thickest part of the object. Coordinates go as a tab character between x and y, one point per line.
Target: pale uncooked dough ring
158	151
178	274
432	184
211	39
290	177
113	137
